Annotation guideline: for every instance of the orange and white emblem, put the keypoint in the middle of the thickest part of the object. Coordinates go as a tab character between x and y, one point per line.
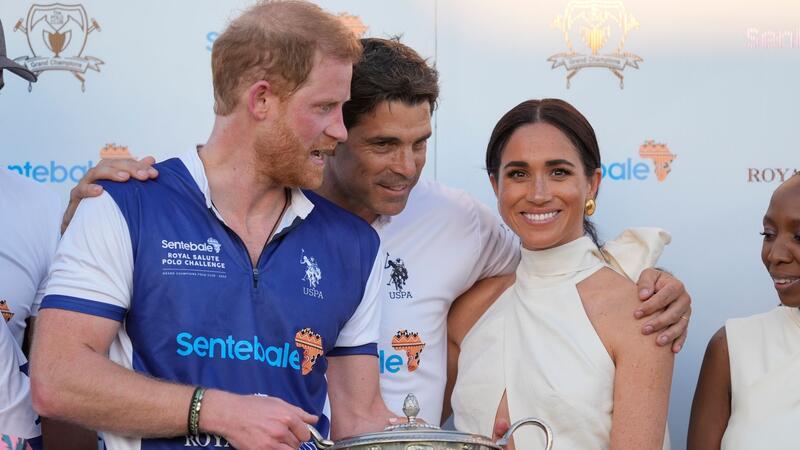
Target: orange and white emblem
6	311
311	343
409	342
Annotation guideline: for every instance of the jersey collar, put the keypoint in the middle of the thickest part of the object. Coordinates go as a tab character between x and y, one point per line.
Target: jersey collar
299	205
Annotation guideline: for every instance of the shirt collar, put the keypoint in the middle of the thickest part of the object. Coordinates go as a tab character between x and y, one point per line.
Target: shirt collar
381	222
299	205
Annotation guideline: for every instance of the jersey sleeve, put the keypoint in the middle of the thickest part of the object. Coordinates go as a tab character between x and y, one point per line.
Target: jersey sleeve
498	247
360	334
93	268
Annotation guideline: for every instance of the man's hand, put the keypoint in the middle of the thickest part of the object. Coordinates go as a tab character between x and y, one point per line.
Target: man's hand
255	422
665	297
107	169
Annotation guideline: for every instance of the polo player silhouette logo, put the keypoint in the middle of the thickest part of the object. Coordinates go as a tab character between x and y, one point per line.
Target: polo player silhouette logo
399	274
313	274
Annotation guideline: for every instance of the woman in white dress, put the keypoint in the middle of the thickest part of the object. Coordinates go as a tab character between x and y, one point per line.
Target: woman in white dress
748	393
557	341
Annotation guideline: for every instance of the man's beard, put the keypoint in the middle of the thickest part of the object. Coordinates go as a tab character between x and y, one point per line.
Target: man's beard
282	159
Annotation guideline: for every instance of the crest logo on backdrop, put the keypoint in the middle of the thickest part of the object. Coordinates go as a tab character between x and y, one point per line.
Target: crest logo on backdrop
57	36
591	25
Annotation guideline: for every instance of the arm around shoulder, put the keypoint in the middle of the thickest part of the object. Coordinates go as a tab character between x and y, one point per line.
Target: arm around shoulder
711	408
463	315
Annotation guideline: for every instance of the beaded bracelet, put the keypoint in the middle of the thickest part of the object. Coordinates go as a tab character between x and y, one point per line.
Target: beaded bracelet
194	411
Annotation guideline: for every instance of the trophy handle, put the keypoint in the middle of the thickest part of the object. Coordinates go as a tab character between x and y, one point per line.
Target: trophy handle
318	440
548	433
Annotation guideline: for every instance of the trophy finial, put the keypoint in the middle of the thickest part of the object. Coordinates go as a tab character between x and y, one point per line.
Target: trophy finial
411	408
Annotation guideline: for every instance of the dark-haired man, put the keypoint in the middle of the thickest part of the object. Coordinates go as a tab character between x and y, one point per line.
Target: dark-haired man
439	241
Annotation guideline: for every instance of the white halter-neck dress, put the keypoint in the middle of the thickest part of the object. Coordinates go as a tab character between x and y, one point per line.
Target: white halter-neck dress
537	344
764	357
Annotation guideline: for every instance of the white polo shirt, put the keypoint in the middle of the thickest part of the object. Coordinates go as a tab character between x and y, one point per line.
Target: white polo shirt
29	232
437	248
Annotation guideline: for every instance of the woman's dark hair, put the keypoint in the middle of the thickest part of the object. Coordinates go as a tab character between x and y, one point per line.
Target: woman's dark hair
559	114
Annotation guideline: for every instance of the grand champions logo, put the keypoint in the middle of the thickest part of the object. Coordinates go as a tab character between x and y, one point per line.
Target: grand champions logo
595	22
57	36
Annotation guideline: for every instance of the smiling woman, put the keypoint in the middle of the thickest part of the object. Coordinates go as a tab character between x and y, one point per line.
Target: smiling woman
565	315
747	388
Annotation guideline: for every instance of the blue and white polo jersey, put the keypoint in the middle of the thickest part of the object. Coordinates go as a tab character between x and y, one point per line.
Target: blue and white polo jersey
157	257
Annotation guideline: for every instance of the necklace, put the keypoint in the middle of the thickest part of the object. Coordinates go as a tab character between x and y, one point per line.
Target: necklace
286	200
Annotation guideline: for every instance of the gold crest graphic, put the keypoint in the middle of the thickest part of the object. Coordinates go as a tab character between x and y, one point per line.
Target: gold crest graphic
57	35
409	342
114	151
594	24
311	343
6	311
661	156
354	23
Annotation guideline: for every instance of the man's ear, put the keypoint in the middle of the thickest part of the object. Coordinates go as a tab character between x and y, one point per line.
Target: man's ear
261	99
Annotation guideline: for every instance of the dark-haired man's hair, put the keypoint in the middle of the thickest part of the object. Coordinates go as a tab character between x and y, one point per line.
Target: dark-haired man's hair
389	71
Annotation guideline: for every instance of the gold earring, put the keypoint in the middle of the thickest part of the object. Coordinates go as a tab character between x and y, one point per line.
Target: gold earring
590	206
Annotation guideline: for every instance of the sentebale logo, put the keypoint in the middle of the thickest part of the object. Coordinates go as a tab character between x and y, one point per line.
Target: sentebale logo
595	21
661	159
227	347
211	245
410	343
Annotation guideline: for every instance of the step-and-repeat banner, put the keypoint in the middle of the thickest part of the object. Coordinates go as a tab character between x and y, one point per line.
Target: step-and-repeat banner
695	105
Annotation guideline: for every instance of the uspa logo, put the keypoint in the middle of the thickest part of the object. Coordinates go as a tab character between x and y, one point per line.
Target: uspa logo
57	36
312	276
656	159
398	277
595	23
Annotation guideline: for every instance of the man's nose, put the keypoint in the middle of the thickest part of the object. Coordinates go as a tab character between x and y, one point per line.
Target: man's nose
405	163
336	128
